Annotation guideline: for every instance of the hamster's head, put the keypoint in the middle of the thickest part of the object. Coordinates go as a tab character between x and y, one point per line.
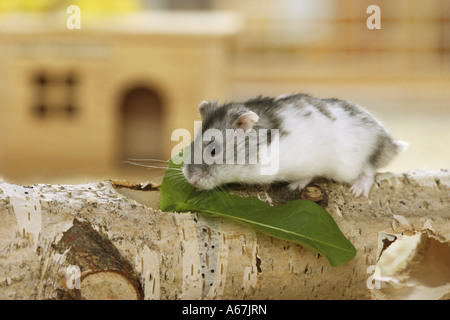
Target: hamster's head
223	148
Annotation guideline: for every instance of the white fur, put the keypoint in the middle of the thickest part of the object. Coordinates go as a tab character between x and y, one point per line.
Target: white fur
320	146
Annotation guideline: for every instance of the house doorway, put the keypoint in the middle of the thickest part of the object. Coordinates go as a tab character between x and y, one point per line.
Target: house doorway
141	115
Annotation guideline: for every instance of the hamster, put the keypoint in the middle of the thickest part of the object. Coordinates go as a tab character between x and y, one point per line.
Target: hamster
329	138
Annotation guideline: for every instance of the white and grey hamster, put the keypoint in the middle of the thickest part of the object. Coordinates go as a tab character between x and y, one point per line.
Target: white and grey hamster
329	138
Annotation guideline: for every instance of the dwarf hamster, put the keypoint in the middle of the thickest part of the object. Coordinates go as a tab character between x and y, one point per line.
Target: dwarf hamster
330	138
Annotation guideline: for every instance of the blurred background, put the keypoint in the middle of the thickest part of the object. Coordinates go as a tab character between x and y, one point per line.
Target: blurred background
76	103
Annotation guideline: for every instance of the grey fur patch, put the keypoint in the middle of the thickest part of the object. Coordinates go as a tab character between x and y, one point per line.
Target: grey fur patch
377	153
356	111
322	107
383	152
301	100
267	108
215	119
352	109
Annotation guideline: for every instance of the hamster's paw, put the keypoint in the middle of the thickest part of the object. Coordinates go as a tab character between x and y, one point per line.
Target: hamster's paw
299	184
362	185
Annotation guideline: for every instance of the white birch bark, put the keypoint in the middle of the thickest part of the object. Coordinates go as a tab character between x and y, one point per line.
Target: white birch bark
157	255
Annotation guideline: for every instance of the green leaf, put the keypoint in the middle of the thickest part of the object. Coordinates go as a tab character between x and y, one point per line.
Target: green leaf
300	221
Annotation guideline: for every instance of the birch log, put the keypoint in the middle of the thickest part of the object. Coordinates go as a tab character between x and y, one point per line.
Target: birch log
109	240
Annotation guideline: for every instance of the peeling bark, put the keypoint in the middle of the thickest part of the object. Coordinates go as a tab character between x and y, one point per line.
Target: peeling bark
48	231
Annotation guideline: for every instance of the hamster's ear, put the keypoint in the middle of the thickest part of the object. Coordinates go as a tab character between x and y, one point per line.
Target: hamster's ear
206	107
246	121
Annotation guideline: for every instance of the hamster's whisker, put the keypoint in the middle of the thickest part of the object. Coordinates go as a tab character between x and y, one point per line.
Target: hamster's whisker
146	160
175	169
171	173
224	197
175	176
143	165
157	178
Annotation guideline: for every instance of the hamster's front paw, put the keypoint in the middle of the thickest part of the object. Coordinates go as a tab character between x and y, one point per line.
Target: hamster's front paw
299	184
